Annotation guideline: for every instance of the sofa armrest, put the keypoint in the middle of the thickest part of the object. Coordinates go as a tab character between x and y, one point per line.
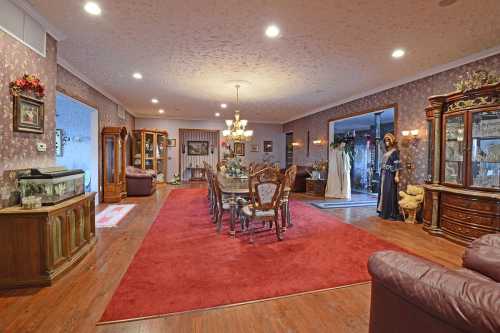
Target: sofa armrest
468	304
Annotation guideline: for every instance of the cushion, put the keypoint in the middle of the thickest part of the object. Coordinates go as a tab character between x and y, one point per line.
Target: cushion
258	213
483	256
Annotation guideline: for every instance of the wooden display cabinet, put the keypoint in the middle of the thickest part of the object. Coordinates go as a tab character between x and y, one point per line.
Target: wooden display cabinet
38	245
462	194
149	152
114	163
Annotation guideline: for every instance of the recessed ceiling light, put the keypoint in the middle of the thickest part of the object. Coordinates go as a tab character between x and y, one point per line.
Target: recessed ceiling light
272	31
398	53
223	105
155	101
92	8
217	114
161	111
137	76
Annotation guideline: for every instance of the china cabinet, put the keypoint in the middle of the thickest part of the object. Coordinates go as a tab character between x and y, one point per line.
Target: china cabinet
149	151
462	194
114	163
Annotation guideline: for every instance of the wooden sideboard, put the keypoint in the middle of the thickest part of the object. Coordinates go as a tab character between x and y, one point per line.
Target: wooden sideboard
316	186
39	245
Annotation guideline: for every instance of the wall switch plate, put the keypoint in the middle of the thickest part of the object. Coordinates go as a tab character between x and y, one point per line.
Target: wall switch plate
41	147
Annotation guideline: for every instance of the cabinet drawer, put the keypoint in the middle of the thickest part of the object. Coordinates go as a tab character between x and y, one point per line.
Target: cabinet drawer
467	232
488	221
473	203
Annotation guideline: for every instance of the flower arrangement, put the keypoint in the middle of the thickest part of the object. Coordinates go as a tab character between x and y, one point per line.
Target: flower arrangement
27	83
235	167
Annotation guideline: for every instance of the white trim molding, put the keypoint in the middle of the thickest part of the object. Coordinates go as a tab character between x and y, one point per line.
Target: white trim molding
438	69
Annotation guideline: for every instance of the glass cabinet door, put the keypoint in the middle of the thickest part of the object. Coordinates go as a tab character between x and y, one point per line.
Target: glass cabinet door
109	143
149	145
161	146
137	150
454	145
485	150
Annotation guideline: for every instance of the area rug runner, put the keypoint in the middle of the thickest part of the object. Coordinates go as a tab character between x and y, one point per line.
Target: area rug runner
112	215
183	264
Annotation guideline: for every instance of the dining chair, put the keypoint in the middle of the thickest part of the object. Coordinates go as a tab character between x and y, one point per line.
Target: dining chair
221	204
265	189
221	164
289	181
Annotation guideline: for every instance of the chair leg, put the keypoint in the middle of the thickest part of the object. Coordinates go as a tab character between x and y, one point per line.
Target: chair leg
219	221
284	216
278	228
288	215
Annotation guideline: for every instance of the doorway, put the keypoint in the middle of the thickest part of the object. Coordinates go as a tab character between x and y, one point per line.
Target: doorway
77	135
289	149
364	137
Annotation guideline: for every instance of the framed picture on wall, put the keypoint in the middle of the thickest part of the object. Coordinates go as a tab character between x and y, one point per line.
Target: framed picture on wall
254	148
197	148
268	146
28	114
239	149
171	142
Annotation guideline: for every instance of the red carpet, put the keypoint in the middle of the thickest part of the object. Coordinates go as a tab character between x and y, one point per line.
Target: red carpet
184	265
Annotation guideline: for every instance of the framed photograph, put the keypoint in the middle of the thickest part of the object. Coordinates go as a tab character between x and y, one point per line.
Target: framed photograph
254	148
171	142
59	147
197	148
268	146
239	149
28	114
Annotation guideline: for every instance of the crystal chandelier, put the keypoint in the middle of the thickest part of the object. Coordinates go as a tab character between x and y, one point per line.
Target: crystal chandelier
236	129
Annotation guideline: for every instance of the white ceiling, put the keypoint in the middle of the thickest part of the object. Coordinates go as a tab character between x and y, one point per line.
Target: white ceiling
188	50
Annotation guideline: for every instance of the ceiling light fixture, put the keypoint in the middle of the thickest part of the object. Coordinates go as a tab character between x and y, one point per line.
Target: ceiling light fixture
137	76
272	31
155	101
236	129
398	53
223	105
92	8
217	114
161	111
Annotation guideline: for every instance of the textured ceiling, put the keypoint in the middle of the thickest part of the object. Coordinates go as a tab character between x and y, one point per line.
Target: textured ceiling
188	50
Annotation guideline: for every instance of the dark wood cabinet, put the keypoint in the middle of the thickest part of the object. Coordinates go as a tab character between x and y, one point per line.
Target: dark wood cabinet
38	245
462	194
149	152
316	186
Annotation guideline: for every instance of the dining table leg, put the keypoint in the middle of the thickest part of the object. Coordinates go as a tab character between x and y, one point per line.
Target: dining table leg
232	204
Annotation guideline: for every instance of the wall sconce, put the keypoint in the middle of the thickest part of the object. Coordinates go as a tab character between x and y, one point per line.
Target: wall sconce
411	134
295	144
318	142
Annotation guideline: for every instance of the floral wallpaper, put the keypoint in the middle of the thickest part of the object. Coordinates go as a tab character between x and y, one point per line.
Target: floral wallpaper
411	99
18	150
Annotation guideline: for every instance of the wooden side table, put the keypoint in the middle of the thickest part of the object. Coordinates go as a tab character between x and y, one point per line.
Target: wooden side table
316	186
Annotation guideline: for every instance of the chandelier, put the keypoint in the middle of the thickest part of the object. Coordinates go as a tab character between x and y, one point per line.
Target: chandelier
236	129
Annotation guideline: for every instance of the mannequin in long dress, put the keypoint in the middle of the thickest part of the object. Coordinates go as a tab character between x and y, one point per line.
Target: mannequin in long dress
387	205
339	174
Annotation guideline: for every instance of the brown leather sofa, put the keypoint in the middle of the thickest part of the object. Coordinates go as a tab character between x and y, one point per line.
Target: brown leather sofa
140	182
410	294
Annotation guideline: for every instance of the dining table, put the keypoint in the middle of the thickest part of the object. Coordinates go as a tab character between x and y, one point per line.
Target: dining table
235	188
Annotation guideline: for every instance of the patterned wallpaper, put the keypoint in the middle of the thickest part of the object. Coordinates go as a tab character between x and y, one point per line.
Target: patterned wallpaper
18	150
411	99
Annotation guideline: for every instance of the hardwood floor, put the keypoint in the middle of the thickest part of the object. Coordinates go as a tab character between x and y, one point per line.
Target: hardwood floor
76	301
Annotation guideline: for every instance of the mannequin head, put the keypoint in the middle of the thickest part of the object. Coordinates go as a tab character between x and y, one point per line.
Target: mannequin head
389	141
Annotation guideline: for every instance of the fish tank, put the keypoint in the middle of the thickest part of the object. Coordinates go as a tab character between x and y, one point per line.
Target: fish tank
52	185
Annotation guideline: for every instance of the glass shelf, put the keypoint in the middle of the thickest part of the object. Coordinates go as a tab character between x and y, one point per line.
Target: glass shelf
454	150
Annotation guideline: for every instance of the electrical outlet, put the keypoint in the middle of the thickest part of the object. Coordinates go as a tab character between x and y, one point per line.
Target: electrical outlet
41	147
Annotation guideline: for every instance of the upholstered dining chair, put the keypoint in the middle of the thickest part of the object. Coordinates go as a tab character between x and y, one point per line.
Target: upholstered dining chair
221	165
289	181
265	189
221	204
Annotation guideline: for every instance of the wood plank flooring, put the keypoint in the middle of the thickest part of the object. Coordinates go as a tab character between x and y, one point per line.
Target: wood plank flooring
76	301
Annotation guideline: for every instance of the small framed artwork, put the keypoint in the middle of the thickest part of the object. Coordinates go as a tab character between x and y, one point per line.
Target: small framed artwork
171	142
59	147
268	146
197	148
28	114
239	149
254	148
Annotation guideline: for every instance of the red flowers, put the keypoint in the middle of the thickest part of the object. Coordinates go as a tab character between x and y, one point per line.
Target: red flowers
27	83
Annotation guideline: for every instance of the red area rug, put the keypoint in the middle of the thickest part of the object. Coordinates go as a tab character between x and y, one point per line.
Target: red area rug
183	264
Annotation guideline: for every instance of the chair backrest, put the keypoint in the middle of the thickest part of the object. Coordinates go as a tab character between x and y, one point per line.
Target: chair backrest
265	187
290	175
221	164
217	190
